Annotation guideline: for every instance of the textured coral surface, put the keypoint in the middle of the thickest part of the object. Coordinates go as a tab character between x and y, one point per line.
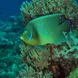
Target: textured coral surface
38	8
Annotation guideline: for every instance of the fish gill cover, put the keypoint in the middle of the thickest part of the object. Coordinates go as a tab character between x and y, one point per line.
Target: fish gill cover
21	59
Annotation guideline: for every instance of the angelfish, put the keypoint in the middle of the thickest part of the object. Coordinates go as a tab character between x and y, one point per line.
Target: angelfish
46	30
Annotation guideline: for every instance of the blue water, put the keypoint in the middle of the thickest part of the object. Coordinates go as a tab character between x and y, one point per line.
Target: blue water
9	8
77	1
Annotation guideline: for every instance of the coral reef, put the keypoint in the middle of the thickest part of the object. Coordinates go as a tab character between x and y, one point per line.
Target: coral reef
21	60
56	60
10	63
68	49
29	72
32	55
59	59
36	8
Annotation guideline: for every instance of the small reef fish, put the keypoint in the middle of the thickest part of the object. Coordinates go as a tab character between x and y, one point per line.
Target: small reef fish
46	29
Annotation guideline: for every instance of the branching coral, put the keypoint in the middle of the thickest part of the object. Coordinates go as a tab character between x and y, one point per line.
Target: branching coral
29	72
37	8
35	57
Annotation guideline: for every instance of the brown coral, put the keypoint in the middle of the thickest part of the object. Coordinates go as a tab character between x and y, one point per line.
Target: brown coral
35	57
